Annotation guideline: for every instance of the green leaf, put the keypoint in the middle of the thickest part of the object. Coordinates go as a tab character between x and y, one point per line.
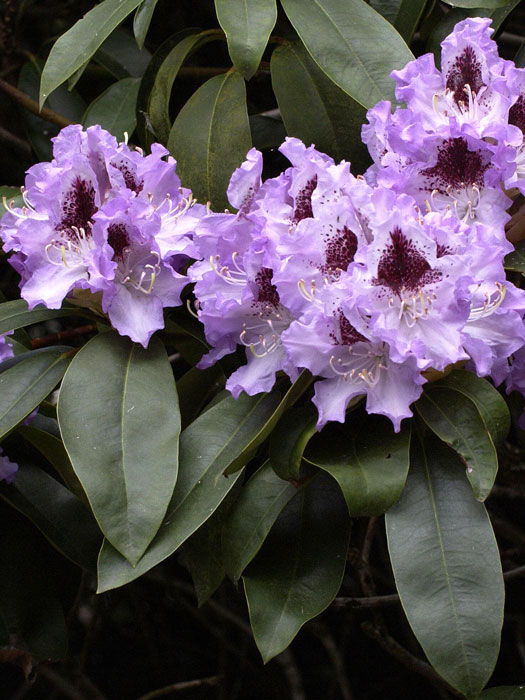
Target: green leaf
297	389
267	132
52	448
186	334
447	568
25	385
142	20
289	439
353	44
122	436
13	197
57	513
207	447
114	109
78	44
368	460
474	4
15	314
211	136
504	692
519	60
299	569
489	402
456	420
516	260
195	388
250	519
314	109
404	15
120	55
28	598
20	355
247	25
159	99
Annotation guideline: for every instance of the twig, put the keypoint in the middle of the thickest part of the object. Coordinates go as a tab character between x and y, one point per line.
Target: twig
514	573
289	667
54	338
368	602
15	141
63	686
184	685
32	106
335	657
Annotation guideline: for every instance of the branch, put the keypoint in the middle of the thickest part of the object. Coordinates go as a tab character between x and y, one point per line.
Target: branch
54	338
32	106
184	685
377	601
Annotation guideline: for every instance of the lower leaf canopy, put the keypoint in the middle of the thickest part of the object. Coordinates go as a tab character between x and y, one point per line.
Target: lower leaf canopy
447	568
299	569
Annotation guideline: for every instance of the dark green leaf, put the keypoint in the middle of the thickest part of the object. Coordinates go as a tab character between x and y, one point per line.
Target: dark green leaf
207	447
489	402
120	55
142	20
79	43
314	109
353	44
368	460
25	385
15	314
13	197
28	597
187	335
52	448
57	513
519	60
247	25
122	437
475	4
447	568
267	132
516	260
195	388
456	420
289	439
211	136
20	353
299	569
159	99
403	14
250	519
297	389
114	109
504	692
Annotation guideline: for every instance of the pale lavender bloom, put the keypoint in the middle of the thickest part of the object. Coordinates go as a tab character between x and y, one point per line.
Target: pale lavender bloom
6	351
8	469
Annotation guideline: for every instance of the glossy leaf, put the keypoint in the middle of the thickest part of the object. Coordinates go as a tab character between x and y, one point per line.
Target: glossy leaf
456	420
211	136
297	389
25	385
159	99
79	43
142	20
447	568
289	439
201	486
28	598
472	4
15	314
353	44
516	260
120	55
267	132
114	109
299	569
489	402
122	436
505	692
315	109
368	460
21	354
247	25
404	15
250	519
56	512
195	388
519	60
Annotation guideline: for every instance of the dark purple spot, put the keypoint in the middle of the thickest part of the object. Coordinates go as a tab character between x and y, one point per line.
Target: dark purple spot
349	335
443	250
118	239
466	70
78	207
517	113
340	251
303	201
129	178
266	291
456	167
403	267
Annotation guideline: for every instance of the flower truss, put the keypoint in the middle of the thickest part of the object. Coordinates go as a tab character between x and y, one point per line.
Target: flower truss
367	282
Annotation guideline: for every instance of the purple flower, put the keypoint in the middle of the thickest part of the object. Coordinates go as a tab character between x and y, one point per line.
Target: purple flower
6	351
8	469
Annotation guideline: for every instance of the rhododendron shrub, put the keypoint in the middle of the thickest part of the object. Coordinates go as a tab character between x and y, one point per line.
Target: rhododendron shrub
262	339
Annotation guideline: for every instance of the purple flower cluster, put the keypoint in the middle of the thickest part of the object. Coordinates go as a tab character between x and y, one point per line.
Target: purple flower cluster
105	218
